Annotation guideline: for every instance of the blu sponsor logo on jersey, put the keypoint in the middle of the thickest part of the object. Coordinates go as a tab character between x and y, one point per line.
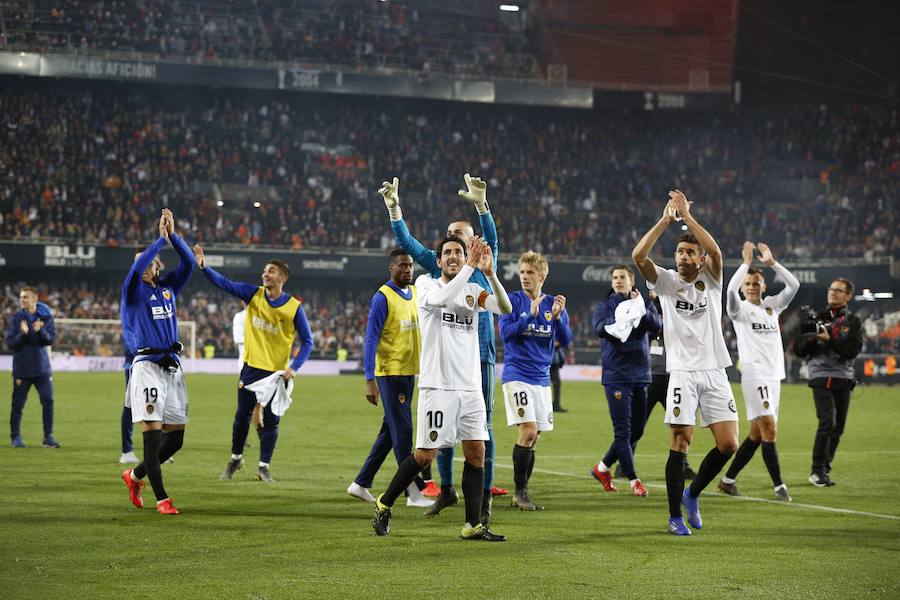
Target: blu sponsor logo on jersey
764	328
165	310
688	309
534	329
449	319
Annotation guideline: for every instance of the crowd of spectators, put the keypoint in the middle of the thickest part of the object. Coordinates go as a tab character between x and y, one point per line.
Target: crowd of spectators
87	164
424	37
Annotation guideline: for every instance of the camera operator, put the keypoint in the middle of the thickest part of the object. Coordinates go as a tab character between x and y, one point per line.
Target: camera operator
830	350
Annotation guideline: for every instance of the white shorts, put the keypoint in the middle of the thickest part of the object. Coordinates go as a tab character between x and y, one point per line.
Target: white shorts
445	417
709	390
528	403
761	397
156	394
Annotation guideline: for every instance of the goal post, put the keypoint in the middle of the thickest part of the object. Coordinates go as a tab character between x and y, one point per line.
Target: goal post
102	338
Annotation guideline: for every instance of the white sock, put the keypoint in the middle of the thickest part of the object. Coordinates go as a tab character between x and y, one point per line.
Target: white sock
237	456
728	480
780	487
133	478
634	482
263	465
158	502
602	467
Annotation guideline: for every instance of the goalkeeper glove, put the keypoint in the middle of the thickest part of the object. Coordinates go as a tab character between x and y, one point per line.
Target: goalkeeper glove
475	192
390	193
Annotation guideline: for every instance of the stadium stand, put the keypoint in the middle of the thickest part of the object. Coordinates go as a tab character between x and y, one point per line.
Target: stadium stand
359	34
87	164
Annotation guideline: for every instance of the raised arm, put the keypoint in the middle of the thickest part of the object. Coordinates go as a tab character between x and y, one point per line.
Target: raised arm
732	295
713	253
425	257
499	302
564	332
179	278
140	265
641	253
791	284
476	194
244	291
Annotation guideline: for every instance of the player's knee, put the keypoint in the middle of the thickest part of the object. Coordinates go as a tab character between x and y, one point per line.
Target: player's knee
424	457
474	454
727	447
175	439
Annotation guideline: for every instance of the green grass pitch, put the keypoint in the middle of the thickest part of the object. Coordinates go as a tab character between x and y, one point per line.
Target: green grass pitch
69	531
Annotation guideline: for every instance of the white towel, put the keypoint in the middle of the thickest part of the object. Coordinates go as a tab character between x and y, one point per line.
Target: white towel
272	389
628	316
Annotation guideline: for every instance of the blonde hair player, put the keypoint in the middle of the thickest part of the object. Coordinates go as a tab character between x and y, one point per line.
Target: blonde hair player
761	355
529	334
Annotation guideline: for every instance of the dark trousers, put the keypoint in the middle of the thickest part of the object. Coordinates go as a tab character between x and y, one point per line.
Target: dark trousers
555	385
627	408
396	432
246	401
127	425
656	394
832	406
21	387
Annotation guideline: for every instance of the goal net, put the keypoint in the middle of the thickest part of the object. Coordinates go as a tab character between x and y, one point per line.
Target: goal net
99	341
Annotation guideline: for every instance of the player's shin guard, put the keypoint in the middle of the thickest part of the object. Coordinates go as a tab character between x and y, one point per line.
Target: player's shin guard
710	467
741	458
172	442
530	466
405	475
521	460
473	490
675	481
445	466
770	457
152	442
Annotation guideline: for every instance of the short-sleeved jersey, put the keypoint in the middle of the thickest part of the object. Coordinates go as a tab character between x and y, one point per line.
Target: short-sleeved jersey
692	321
450	359
760	348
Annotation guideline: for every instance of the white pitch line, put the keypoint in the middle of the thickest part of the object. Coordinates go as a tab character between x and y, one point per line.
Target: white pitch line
846	511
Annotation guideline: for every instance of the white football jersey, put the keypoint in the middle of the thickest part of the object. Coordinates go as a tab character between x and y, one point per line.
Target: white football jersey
692	321
450	359
759	342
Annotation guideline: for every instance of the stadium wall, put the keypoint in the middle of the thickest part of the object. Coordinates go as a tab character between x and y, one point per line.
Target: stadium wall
336	81
102	260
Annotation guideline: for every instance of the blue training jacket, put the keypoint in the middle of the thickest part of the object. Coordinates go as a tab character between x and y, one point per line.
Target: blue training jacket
427	259
30	357
629	361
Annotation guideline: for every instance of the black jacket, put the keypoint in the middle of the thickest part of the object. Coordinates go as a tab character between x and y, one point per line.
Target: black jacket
832	359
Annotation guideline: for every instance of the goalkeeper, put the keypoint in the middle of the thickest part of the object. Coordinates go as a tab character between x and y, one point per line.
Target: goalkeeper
274	318
475	193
